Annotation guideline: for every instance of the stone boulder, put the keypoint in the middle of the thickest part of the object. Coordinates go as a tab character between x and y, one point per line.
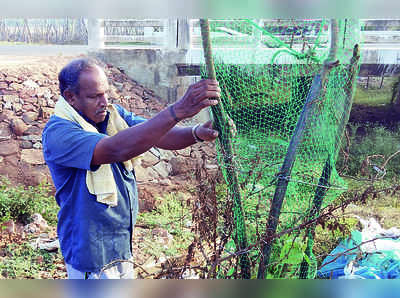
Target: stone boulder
32	156
18	126
8	147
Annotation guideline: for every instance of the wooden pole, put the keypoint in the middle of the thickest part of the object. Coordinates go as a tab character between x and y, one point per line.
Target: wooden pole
221	122
323	184
286	169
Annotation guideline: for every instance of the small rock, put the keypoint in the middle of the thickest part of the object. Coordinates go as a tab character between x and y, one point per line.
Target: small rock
17	107
162	235
27	94
3	85
41	102
8	105
211	167
50	246
40	221
29	117
166	154
6	116
33	130
188	223
51	103
180	165
120	86
26	145
145	174
30	84
11	160
16	86
190	274
5	130
10	97
45	112
186	152
11	78
148	159
165	182
32	138
9	147
162	169
18	127
32	156
31	228
37	145
8	226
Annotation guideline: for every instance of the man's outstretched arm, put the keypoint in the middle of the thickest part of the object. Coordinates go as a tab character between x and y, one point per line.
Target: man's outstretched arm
182	137
159	130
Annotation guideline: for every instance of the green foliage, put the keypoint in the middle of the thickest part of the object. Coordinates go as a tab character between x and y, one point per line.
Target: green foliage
264	93
22	261
368	141
287	255
327	238
20	203
172	214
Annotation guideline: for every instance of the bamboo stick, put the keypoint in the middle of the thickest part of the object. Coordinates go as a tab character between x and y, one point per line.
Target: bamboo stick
323	184
221	122
284	174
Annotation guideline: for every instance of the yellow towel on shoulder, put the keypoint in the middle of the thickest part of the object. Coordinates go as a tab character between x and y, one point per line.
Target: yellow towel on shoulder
100	182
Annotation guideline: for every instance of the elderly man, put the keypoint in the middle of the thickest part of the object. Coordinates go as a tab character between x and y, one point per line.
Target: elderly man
89	146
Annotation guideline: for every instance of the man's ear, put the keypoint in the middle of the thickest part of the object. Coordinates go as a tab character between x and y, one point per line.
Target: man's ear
70	97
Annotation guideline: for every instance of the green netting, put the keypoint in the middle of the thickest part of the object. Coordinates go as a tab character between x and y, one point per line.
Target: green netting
276	76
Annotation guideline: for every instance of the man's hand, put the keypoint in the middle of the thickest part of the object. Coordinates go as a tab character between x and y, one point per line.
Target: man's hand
200	95
206	132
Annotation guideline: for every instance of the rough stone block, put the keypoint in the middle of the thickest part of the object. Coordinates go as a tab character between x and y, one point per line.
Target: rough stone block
8	147
32	156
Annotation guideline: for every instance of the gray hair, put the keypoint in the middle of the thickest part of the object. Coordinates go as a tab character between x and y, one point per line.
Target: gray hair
69	76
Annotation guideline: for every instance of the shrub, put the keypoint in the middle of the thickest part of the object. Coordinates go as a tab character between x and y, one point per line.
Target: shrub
373	141
20	203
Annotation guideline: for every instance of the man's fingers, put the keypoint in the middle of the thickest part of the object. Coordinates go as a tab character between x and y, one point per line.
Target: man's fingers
208	124
209	94
206	85
208	102
206	132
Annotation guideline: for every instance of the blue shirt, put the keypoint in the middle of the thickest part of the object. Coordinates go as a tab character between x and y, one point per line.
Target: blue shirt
91	234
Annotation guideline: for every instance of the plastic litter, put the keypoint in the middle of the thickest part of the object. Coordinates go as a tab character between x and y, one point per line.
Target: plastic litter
373	253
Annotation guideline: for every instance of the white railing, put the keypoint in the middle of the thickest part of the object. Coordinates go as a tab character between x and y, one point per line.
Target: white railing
136	33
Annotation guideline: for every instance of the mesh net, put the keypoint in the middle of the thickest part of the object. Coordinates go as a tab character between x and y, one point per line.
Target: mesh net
284	106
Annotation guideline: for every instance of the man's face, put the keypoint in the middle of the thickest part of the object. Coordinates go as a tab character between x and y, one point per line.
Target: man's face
92	98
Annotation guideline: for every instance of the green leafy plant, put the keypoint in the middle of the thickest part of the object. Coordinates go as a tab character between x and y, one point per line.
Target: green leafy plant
20	203
378	143
21	261
172	214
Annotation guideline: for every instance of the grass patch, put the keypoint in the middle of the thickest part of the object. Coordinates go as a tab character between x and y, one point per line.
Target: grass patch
372	97
375	96
378	144
173	215
21	261
19	203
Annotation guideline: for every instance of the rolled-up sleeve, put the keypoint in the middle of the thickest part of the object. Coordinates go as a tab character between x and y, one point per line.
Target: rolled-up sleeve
66	144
